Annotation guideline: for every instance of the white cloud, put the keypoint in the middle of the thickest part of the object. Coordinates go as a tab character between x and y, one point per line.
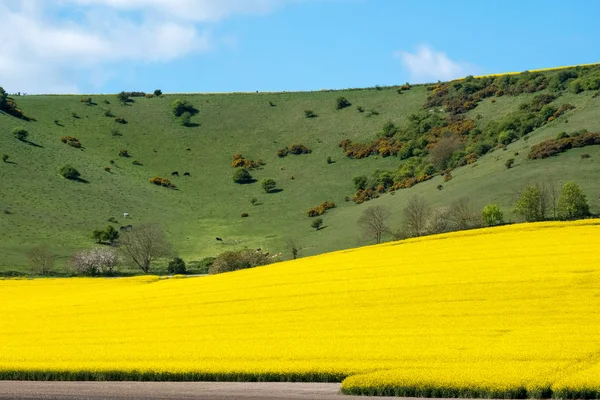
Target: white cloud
46	45
427	65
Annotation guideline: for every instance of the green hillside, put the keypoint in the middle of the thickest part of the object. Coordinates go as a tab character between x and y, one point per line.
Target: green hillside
38	206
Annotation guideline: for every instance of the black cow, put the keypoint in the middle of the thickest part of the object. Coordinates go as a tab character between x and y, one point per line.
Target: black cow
186	174
174	173
219	239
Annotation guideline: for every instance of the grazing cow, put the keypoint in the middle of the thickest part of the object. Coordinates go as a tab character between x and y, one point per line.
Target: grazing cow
174	173
125	214
219	239
186	174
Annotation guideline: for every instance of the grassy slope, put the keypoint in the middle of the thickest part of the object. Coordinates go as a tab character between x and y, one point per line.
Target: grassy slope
48	209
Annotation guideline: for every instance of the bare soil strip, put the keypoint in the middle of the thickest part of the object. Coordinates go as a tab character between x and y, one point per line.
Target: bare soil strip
30	390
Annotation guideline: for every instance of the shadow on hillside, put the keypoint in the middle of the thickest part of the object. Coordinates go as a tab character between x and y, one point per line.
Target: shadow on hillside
192	125
33	144
277	190
80	180
247	182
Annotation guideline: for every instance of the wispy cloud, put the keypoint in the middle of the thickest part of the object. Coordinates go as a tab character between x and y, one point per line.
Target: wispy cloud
427	64
49	43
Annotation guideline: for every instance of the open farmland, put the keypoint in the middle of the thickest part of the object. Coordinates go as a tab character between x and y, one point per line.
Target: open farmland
511	311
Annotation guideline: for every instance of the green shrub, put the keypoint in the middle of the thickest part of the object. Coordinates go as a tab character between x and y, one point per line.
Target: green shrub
492	215
68	172
509	163
389	129
5	157
158	92
108	113
282	152
237	260
202	266
317	224
185	119
268	184
360	182
124	153
120	120
360	109
329	160
71	141
341	102
176	266
178	107
299	149
164	182
116	132
21	134
309	114
572	203
242	176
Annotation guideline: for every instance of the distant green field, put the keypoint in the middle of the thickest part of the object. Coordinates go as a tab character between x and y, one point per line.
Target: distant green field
38	206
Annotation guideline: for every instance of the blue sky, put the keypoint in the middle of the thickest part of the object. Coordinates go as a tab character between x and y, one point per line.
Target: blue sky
105	46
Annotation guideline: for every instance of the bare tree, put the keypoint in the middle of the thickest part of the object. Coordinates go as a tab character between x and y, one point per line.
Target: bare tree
41	259
294	247
416	214
442	151
439	221
463	216
144	244
373	222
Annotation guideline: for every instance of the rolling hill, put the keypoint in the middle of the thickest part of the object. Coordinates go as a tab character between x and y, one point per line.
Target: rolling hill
38	206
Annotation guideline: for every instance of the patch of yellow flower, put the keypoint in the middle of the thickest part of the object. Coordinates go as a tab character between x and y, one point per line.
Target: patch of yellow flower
511	311
540	70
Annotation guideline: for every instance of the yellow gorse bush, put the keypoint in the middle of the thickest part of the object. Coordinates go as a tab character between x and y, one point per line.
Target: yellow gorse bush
512	311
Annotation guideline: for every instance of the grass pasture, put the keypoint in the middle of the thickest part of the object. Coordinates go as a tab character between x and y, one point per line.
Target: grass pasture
506	312
39	207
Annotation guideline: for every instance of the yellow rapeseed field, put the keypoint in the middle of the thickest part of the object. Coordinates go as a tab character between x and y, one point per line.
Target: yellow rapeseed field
540	70
512	311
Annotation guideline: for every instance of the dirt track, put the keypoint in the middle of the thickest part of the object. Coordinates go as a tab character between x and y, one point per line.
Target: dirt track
30	390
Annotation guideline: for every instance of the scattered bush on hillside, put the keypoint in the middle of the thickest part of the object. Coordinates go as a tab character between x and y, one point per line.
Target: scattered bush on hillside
120	120
124	153
21	134
282	152
68	172
584	156
320	209
299	149
242	176
271	104
75	115
9	106
136	162
106	101
158	92
245	215
360	109
176	266
237	260
240	161
87	100
5	157
107	169
164	182
108	235
185	119
442	151
108	113
329	160
342	102
551	147
149	95
317	224
268	184
572	203
406	86
309	114
71	141
440	187
95	261
509	163
123	98
178	107
372	112
389	129
41	259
